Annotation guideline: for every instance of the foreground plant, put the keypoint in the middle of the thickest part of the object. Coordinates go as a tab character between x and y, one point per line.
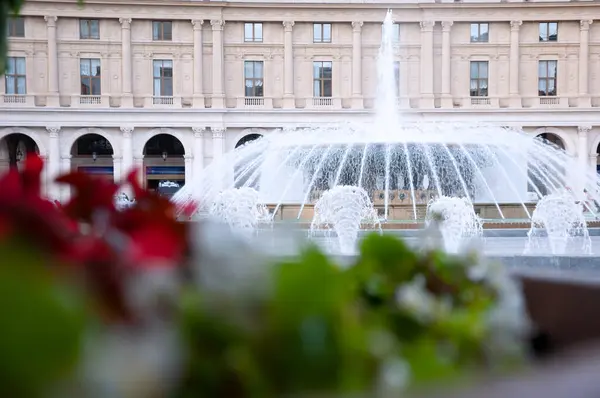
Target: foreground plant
97	301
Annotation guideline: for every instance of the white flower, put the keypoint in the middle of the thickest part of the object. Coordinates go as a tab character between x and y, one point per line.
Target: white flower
415	298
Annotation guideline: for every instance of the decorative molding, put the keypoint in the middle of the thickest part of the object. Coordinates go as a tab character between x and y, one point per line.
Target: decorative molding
217	132
446	25
585	129
357	26
584	24
53	131
127	130
51	20
427	26
287	25
515	25
198	131
188	157
125	23
197	24
217	24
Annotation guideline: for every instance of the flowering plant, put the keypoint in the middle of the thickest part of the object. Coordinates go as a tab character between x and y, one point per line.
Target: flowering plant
129	302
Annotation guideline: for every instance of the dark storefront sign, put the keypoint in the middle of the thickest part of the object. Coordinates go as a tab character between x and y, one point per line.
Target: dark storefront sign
165	170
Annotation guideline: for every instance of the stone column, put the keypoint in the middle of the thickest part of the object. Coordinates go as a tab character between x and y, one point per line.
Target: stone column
127	142
117	168
515	95
65	168
288	61
593	164
198	60
53	189
357	98
126	69
585	100
446	65
427	64
188	159
217	141
198	148
582	155
52	98
218	96
138	163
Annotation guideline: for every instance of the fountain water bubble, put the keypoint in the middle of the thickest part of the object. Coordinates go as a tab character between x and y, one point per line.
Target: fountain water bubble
456	220
240	208
558	226
344	209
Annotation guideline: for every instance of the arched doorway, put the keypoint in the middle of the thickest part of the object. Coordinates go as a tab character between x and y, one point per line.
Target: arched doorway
164	165
93	154
241	173
247	138
543	177
13	150
552	139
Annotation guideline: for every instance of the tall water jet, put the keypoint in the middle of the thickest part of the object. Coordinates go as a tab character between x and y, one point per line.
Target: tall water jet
558	226
457	221
239	208
344	209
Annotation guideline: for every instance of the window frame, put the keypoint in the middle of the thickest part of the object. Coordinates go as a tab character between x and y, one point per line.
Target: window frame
547	79
15	75
479	90
479	33
12	29
161	33
321	26
547	32
91	78
321	79
89	22
254	80
162	78
254	38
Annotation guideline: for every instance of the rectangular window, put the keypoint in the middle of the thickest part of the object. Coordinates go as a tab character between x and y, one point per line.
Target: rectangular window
162	30
322	79
479	78
15	77
547	78
89	70
395	33
89	29
253	76
480	33
163	78
16	27
253	32
322	33
397	77
548	31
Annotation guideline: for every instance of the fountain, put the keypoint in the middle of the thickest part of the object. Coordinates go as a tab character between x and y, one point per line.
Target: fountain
123	202
239	208
399	165
456	219
558	226
344	209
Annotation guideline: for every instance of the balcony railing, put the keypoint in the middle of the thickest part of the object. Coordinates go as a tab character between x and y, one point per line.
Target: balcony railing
481	101
162	100
322	102
90	100
15	98
549	101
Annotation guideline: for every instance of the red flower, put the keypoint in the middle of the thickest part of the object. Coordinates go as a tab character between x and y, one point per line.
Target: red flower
91	195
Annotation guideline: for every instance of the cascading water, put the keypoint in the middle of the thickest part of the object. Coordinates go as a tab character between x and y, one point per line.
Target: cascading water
240	209
344	209
457	221
558	227
400	165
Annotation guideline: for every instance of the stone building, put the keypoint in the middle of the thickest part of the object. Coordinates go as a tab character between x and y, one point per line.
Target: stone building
169	86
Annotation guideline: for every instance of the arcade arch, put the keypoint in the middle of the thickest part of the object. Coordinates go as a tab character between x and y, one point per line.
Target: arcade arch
92	153
164	164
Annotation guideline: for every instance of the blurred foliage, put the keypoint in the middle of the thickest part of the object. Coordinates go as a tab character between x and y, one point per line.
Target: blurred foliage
325	329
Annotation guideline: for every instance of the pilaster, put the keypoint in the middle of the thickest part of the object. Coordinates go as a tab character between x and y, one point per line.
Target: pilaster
217	142
585	100
53	96
357	98
198	148
289	101
198	96
126	66
446	65
514	92
52	188
427	98
127	142
218	95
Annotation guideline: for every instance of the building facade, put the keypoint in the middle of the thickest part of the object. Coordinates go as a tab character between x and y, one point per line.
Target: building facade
169	86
